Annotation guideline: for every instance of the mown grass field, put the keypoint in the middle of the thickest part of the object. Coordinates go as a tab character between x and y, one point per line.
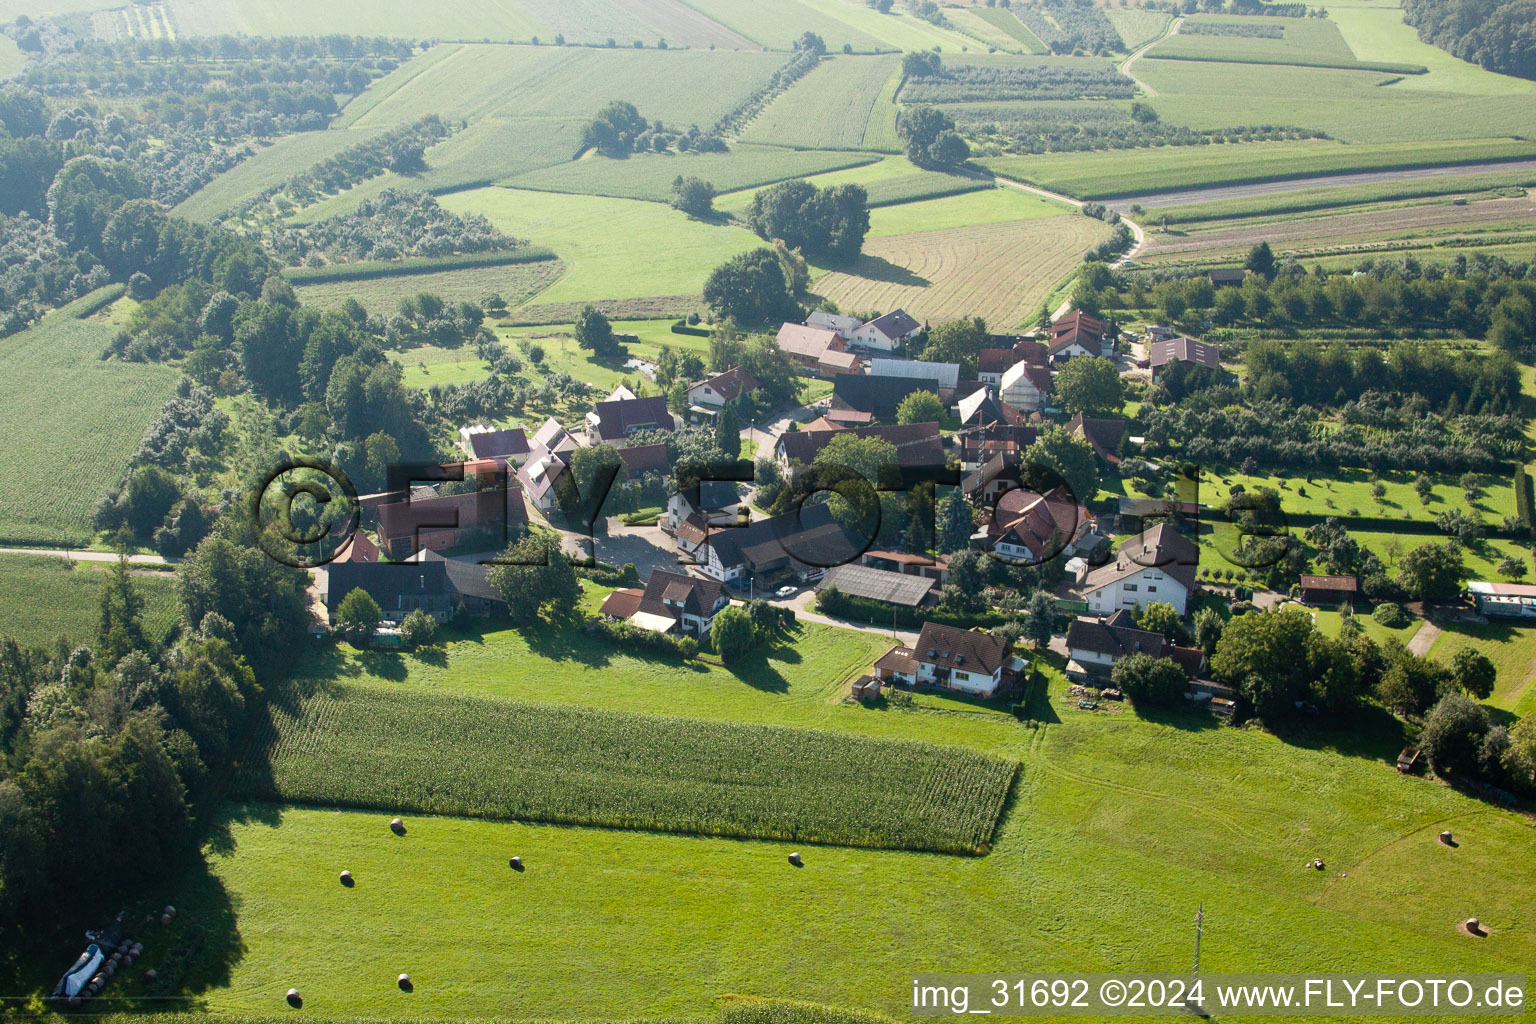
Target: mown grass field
1107	175
997	271
47	597
612	248
268	167
516	283
1137	27
841	104
1512	648
1471	186
1374	30
988	206
895	180
1344	492
990	33
1314	42
1330	621
1119	828
72	421
362	747
650	176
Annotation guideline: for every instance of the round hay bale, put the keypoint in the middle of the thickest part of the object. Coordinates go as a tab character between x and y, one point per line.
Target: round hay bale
346	879
109	968
397	827
794	858
165	919
1474	925
1318	864
516	863
151	974
169	910
74	1000
294	999
1447	839
404	981
115	957
127	961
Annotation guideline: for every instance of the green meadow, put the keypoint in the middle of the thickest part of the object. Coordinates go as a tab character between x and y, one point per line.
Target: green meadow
49	597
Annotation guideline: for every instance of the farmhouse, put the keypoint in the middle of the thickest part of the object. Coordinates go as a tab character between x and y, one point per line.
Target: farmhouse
917	444
843	325
981	410
708	499
1162	354
645	458
399	588
892	588
968	660
1328	589
767	552
1031	528
714	392
1156	565
1025	387
672	600
1079	334
483	519
616	420
482	442
808	346
1095	643
871	396
469	584
886	333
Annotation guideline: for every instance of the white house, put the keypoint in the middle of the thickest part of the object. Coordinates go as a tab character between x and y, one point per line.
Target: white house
1025	387
1158	564
690	604
1094	644
887	332
714	392
968	660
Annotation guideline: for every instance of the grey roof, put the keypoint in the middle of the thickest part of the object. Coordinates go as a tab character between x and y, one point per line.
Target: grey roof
1103	636
894	324
492	444
1183	350
877	584
1162	547
388	583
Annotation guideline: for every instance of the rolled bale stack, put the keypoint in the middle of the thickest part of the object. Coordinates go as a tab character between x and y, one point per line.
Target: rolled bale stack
151	974
1447	838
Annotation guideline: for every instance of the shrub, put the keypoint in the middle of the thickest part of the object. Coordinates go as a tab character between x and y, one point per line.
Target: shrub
1390	615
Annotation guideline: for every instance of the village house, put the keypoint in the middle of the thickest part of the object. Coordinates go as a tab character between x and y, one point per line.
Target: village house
674	601
1163	354
1105	437
796	547
482	442
886	333
1026	387
1095	643
1079	334
1503	600
858	398
819	351
968	660
1158	564
482	519
615	420
714	392
710	499
1029	528
945	375
398	588
916	444
470	585
1227	277
843	325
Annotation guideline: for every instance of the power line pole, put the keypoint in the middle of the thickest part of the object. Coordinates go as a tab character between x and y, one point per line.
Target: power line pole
1190	1002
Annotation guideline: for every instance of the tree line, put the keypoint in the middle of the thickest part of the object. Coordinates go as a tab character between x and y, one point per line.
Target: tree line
1494	34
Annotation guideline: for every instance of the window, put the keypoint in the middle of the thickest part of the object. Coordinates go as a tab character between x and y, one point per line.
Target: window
1151	590
1130	587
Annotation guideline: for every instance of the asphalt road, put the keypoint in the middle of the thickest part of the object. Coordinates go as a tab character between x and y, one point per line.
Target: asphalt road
1205	195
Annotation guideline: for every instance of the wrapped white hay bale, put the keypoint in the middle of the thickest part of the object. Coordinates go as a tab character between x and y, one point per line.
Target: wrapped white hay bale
397	827
794	858
404	981
346	878
516	863
294	999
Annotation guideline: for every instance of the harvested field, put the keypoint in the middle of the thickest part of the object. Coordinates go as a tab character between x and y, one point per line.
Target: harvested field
655	307
1000	272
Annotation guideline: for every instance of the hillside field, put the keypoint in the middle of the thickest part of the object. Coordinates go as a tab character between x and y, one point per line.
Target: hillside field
49	597
74	420
650	176
516	283
841	104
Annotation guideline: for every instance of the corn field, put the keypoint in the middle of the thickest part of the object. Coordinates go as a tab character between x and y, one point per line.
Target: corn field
450	754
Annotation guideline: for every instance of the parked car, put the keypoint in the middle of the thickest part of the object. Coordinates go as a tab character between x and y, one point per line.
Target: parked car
785	592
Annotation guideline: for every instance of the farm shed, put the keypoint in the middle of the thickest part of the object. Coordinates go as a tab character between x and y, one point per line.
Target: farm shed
1328	589
880	585
1508	600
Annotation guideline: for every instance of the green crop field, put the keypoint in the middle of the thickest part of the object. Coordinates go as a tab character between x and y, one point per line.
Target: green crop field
1314	42
47	597
472	19
1108	175
650	176
1362	196
363	747
971	22
72	420
989	206
625	21
268	167
1374	30
776	24
841	104
612	248
899	29
516	283
1113	829
1137	27
895	180
1009	23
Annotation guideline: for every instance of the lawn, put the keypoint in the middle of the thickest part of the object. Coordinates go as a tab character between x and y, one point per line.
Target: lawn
838	105
47	597
74	421
650	176
1513	651
1329	621
996	270
612	248
1110	174
1120	828
1348	493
